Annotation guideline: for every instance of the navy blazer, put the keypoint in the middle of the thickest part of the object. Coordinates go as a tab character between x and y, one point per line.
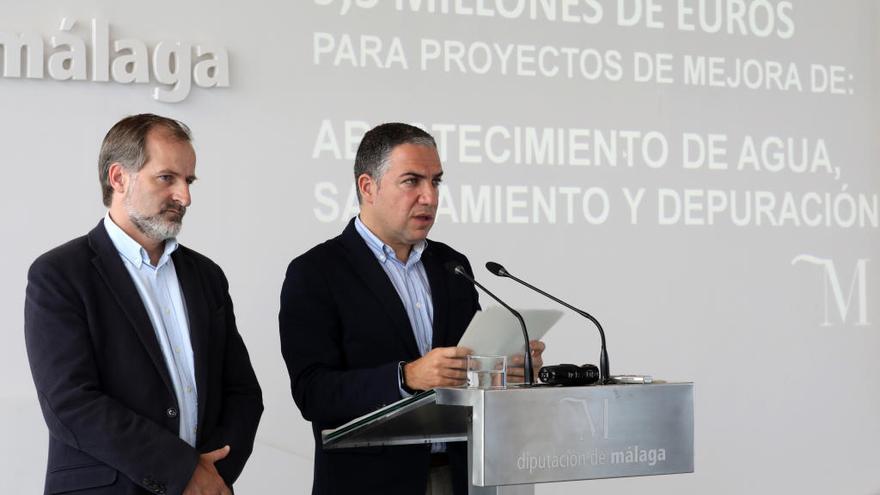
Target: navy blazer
344	330
103	383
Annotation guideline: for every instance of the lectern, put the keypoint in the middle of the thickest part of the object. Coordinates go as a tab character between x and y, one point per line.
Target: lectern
521	436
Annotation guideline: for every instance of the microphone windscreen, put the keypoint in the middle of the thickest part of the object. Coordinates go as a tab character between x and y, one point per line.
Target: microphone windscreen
496	269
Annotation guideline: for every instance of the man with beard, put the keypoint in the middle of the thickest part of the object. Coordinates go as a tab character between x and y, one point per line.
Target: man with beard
372	316
143	379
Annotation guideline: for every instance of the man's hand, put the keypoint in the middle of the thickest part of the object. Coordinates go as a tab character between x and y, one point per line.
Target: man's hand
441	367
205	479
516	363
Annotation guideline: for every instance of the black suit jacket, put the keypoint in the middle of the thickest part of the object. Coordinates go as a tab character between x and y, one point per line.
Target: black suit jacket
103	384
343	332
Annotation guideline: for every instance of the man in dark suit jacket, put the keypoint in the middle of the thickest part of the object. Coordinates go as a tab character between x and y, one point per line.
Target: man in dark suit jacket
372	315
143	378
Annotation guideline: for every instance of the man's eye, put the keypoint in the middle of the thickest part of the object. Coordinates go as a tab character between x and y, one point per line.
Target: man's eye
436	182
410	181
165	178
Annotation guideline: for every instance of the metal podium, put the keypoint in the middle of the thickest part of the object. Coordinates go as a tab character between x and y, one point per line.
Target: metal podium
521	436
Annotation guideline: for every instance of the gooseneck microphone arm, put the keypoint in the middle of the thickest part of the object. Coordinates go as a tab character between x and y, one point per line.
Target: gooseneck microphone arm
604	371
458	269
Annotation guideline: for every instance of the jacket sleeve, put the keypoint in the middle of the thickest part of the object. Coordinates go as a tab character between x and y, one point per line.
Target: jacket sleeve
323	387
76	410
242	401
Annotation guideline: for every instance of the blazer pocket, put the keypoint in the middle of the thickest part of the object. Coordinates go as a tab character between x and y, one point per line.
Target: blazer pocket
80	477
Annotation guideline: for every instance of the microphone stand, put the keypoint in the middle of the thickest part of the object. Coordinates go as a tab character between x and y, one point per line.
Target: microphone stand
458	269
604	371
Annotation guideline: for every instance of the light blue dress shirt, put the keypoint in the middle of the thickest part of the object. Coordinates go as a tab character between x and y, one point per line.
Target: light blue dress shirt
409	280
159	289
411	283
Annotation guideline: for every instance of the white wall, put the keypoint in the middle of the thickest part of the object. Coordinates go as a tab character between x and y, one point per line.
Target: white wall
785	394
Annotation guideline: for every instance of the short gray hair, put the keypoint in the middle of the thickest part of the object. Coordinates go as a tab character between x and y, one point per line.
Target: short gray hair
379	142
126	144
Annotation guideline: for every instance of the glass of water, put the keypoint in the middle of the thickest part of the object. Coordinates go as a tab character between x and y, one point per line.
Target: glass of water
487	372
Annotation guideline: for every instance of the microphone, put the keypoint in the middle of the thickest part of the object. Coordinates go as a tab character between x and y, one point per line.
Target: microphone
604	371
458	269
569	375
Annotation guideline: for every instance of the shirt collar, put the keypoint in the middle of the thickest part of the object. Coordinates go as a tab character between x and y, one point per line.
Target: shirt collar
129	249
383	251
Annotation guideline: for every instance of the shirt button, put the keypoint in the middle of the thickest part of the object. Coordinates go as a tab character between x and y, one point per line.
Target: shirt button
419	305
177	350
171	412
167	311
189	390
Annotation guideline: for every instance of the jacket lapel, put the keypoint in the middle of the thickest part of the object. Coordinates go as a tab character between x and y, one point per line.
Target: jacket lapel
437	279
376	280
199	318
111	269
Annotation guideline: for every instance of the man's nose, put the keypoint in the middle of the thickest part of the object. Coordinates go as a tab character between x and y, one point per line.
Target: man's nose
429	194
182	195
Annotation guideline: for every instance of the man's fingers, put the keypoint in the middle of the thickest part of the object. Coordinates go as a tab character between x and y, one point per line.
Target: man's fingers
446	381
453	374
519	360
451	382
216	455
456	352
441	367
453	363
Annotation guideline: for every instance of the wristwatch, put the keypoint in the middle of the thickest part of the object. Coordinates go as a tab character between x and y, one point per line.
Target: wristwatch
402	380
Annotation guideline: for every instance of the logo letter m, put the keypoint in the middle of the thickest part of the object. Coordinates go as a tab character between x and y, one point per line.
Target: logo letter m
834	289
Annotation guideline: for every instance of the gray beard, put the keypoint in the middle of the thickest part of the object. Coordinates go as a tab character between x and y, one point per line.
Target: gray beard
155	227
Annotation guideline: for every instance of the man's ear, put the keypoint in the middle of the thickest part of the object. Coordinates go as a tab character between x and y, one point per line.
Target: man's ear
367	187
117	177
